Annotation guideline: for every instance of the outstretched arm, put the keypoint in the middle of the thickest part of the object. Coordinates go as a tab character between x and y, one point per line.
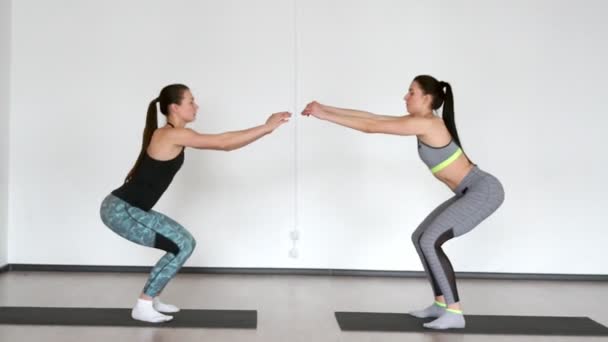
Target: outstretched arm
354	112
368	122
227	141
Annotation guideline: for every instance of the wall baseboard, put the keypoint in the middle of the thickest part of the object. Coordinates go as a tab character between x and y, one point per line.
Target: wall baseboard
302	271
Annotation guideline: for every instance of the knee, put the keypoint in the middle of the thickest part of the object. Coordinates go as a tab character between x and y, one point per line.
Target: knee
427	244
193	243
188	246
416	239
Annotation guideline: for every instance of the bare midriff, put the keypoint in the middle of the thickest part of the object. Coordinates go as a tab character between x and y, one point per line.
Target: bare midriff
454	173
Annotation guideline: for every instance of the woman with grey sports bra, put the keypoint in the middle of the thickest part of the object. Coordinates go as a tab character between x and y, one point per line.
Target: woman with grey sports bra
477	194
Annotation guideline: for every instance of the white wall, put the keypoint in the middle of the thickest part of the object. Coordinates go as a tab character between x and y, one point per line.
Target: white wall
529	83
528	80
5	71
84	75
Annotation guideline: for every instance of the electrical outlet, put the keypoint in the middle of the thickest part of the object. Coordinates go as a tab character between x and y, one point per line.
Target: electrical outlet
293	253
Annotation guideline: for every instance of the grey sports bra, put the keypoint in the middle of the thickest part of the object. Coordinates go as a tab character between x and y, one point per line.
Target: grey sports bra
438	158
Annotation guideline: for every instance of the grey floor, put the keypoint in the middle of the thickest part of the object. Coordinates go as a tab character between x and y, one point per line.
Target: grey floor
290	308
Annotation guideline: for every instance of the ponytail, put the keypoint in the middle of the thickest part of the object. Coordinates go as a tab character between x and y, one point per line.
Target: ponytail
151	126
448	111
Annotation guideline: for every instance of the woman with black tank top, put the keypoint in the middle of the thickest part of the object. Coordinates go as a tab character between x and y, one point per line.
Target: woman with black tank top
128	210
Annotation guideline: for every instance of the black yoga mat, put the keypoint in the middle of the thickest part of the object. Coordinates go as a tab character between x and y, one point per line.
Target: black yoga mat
475	324
240	319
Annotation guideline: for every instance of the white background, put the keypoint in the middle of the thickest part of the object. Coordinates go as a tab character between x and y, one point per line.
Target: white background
529	80
5	67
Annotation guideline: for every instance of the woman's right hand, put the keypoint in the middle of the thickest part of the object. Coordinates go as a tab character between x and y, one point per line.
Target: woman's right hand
277	119
315	109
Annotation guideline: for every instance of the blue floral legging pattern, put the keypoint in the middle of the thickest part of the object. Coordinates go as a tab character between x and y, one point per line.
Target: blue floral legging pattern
151	229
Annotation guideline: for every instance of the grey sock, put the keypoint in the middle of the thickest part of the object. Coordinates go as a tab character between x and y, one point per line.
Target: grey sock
434	310
449	320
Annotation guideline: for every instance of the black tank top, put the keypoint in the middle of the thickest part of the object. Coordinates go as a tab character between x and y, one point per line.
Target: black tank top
149	182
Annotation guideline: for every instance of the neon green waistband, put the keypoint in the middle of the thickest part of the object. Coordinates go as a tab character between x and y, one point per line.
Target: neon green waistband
447	162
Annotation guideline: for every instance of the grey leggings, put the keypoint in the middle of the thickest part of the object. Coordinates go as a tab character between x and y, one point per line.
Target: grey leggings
477	196
151	229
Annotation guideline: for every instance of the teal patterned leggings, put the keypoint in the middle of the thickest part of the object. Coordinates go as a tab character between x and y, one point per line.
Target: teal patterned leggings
151	229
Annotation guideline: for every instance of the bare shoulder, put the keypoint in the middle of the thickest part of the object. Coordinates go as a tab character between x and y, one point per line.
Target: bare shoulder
162	145
175	133
437	133
171	136
437	121
420	119
190	138
427	124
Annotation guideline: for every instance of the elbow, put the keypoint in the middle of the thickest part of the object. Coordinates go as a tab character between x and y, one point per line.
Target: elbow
214	147
224	144
369	128
219	146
